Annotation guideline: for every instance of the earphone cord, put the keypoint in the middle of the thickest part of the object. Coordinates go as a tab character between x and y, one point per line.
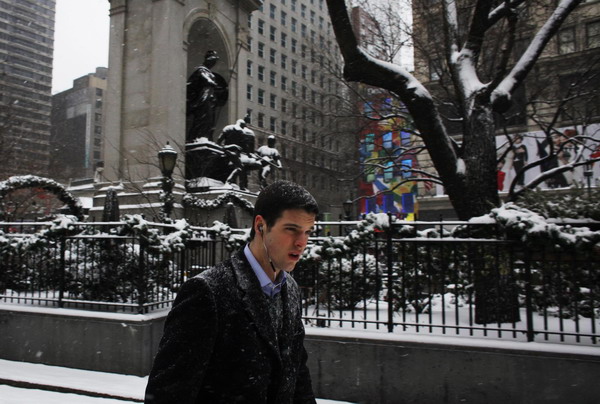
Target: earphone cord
267	252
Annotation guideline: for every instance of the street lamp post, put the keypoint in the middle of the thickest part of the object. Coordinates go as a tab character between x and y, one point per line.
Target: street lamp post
167	158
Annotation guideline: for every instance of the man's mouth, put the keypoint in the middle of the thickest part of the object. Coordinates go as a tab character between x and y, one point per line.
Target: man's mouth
295	256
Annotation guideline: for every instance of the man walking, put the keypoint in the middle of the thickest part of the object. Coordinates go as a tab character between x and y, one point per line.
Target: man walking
235	333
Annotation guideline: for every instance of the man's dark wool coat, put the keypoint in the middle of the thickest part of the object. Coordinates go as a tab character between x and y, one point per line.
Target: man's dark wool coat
220	345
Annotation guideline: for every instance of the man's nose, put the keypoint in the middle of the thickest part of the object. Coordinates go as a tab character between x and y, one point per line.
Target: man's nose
301	241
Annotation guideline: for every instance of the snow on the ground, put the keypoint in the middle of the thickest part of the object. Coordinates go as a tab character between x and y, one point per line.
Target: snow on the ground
98	382
125	386
455	341
15	395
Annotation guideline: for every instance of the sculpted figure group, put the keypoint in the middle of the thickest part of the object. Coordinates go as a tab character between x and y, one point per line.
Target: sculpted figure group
207	92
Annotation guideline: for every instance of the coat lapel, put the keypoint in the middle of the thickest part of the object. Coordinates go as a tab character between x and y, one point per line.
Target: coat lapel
254	301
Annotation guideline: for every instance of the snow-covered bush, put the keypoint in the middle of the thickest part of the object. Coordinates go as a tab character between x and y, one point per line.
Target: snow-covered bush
346	282
573	204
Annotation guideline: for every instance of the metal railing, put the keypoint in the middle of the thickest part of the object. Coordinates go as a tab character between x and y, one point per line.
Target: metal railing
394	281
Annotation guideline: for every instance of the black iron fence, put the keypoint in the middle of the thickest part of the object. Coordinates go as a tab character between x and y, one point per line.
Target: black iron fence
411	279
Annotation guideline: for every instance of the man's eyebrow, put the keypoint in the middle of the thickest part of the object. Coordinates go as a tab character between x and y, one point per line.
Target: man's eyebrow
296	226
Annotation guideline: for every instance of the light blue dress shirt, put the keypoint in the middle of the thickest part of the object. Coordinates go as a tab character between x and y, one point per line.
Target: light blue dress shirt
270	288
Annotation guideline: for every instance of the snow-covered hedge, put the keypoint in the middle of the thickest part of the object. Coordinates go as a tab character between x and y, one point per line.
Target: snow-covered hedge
578	203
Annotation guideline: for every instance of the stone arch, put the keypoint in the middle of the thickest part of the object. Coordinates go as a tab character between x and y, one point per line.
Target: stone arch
202	33
47	184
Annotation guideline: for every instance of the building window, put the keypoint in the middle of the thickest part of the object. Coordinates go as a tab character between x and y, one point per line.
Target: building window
272	55
283	105
249	44
592	34
273	101
294	25
249	92
261	73
303	52
248	116
283	61
261	27
312	17
283	127
304	72
272	33
303	10
273	79
303	30
283	39
261	96
405	139
294	88
273	124
261	50
249	20
283	17
387	140
249	68
294	67
284	83
261	120
272	11
566	40
294	45
293	4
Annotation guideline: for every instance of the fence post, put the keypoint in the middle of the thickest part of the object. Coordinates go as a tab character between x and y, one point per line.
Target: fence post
141	287
528	298
390	274
61	275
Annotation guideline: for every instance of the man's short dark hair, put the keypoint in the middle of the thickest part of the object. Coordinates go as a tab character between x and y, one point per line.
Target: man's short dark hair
280	196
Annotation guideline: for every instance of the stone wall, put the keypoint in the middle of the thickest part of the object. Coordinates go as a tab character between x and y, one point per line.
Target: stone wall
354	366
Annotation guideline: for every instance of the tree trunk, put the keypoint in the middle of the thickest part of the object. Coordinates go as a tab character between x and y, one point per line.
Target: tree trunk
479	156
495	290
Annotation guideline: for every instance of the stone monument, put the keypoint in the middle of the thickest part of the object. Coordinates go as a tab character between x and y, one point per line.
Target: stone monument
154	47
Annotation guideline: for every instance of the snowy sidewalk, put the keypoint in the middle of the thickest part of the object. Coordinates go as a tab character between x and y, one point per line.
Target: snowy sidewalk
28	383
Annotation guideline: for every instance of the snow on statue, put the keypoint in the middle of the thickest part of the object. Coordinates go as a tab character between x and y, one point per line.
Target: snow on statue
270	157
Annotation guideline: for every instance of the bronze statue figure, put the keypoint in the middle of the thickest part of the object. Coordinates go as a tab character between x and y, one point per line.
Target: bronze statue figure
206	92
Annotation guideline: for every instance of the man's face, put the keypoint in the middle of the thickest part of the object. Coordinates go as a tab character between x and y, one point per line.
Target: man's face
287	238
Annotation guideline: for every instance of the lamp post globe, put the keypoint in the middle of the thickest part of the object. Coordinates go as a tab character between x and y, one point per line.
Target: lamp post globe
167	159
347	206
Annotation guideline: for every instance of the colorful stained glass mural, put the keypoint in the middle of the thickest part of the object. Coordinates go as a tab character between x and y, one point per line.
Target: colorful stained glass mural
387	165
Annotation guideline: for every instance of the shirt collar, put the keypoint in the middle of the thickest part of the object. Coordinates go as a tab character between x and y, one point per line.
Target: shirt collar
270	288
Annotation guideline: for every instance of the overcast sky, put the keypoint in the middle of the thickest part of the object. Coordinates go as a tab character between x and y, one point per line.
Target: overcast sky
80	41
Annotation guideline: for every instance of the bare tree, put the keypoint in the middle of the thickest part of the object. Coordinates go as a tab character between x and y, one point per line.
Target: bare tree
567	123
467	169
